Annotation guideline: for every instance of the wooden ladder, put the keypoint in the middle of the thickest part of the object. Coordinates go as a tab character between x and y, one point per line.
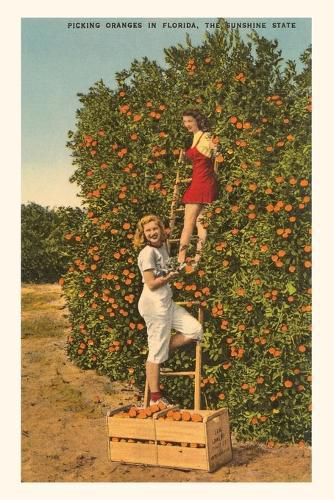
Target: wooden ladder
198	352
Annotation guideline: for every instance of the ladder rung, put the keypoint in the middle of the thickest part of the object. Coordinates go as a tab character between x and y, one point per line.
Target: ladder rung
174	240
192	302
179	209
188	179
173	374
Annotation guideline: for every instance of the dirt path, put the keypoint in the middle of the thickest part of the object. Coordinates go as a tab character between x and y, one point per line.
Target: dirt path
63	416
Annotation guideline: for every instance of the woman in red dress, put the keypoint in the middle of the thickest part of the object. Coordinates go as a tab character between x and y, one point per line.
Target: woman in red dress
203	188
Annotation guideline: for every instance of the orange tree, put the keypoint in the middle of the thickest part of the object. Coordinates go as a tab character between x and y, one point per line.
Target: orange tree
254	277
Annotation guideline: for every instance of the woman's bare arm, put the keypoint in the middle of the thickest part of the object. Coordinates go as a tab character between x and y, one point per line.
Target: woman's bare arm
156	282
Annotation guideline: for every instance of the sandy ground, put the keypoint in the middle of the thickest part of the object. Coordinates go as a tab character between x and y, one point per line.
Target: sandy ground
64	435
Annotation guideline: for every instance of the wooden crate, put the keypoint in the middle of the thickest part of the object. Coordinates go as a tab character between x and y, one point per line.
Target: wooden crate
202	445
212	437
143	451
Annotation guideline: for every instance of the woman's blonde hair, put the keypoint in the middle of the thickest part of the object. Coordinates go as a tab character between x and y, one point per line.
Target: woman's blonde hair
139	237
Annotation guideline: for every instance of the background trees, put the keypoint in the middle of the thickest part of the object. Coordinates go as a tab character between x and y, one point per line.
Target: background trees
44	254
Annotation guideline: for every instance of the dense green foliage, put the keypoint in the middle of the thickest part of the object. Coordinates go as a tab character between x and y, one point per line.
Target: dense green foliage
255	273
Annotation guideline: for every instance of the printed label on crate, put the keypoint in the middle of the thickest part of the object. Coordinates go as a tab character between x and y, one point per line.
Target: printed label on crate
219	447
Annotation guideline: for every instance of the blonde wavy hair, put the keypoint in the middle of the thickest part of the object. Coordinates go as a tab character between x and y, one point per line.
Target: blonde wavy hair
139	237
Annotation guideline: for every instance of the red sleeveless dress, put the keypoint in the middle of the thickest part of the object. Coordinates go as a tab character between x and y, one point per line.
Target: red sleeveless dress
204	186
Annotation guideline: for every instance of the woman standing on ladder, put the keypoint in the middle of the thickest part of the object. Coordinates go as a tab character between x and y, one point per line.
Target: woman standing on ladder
156	306
204	186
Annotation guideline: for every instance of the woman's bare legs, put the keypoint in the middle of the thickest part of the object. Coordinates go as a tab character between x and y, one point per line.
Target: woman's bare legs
178	340
153	376
202	235
153	369
191	212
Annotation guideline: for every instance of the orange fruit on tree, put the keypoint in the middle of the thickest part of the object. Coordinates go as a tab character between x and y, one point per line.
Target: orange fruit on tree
304	182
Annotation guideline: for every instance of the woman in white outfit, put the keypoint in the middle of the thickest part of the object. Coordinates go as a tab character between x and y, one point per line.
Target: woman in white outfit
156	306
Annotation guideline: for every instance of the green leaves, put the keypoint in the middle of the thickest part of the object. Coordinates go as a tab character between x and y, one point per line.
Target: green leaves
290	288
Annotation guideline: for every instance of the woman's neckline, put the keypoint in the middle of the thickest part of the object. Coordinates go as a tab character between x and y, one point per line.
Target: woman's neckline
154	246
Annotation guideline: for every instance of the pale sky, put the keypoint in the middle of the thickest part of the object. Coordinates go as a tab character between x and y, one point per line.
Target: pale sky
58	62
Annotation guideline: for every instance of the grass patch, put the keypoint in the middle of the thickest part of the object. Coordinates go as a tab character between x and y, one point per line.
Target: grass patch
34	300
43	325
70	399
42	312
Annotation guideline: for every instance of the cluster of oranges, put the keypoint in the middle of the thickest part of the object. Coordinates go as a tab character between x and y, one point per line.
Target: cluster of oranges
174	414
240	77
191	66
275	99
239	124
